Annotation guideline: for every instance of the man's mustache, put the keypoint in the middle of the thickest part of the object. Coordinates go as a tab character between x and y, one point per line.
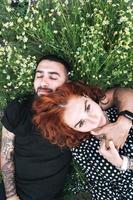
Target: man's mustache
45	89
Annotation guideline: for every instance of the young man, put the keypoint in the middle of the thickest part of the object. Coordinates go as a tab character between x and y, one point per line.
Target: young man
32	167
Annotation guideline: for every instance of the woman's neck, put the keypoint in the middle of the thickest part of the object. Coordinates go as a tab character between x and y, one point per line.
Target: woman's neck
106	116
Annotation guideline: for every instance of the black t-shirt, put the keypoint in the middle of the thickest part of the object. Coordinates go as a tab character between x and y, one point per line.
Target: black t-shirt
2	191
40	167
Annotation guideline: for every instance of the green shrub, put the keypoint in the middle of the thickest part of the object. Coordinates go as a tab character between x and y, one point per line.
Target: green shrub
95	36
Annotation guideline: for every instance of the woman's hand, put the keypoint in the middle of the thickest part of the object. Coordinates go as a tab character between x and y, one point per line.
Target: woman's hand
111	154
117	132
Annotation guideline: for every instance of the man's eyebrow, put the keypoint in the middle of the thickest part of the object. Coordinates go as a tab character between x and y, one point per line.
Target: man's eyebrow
51	73
39	71
55	73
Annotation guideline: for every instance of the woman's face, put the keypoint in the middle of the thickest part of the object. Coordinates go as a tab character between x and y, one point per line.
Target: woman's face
83	114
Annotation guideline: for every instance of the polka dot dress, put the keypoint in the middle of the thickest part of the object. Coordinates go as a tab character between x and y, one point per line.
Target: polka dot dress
105	181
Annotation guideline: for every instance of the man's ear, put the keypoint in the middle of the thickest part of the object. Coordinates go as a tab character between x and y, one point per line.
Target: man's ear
104	100
68	81
107	101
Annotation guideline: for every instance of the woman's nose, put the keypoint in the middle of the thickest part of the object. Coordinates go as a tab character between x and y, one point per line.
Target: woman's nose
91	117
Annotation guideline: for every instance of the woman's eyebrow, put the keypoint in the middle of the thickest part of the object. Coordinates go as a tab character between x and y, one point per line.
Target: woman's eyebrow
85	108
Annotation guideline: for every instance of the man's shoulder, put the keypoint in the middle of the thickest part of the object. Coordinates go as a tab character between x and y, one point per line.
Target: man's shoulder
16	111
20	102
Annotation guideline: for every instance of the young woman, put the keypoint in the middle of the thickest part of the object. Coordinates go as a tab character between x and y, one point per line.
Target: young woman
75	108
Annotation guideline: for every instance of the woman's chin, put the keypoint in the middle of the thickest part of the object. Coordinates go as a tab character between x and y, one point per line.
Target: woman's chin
103	121
94	131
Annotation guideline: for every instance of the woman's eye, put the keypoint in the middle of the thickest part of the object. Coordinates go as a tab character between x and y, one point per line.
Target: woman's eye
88	107
81	124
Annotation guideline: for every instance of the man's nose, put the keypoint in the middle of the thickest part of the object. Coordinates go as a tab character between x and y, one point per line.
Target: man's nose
45	82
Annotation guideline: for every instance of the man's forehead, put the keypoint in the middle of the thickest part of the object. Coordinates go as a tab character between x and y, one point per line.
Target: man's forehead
48	64
45	69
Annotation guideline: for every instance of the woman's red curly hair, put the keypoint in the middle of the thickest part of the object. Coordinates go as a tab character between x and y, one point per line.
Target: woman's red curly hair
48	116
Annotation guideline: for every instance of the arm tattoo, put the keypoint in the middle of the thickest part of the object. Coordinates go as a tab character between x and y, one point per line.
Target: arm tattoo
7	163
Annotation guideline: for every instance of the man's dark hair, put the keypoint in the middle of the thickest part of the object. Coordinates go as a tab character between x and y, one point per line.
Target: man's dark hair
56	59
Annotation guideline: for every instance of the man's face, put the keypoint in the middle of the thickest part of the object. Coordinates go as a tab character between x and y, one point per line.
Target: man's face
49	76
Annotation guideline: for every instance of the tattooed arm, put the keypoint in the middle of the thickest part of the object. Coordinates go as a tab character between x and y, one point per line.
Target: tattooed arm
7	164
117	131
